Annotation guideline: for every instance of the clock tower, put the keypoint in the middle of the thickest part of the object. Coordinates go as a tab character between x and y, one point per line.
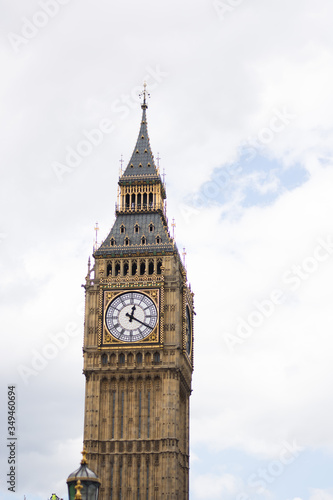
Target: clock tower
138	344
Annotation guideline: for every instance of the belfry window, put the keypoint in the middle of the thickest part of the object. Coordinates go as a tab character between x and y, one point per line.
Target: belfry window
113	242
122	228
159	267
143	240
126	242
134	268
117	269
151	228
142	267
151	267
126	268
136	228
109	269
158	239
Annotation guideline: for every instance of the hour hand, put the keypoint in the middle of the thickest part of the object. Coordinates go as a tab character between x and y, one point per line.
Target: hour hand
131	315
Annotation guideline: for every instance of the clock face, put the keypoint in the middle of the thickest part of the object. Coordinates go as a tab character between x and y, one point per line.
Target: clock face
188	331
131	316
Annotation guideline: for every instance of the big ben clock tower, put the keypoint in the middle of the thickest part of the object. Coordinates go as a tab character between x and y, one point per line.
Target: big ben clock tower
138	345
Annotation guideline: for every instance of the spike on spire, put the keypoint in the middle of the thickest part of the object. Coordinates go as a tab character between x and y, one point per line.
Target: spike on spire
144	94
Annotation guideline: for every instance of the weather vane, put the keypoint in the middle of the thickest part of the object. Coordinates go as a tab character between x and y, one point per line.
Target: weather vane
144	94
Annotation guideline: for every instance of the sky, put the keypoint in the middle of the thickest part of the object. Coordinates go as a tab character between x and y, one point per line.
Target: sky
240	115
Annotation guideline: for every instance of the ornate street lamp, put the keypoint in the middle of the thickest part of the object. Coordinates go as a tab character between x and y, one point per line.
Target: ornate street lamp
87	481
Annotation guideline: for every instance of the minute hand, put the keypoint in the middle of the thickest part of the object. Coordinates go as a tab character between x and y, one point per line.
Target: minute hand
142	323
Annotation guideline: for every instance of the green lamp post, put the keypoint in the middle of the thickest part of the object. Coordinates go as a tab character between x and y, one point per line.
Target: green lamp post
88	482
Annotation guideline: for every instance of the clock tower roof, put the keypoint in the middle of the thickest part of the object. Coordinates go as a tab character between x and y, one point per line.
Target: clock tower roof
141	166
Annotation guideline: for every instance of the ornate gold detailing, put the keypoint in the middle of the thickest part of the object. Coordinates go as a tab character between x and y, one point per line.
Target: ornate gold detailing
84	456
78	488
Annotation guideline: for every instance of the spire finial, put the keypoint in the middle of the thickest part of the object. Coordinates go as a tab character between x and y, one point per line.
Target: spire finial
184	255
96	240
173	225
84	457
144	94
121	164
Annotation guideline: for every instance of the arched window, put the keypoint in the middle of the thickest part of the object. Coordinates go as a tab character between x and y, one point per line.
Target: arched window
134	267
112	242
142	267
143	240
117	268
136	228
121	359
109	269
151	267
158	239
127	201
157	357
104	359
122	228
151	228
126	268
151	199
144	200
126	242
139	200
139	358
133	200
159	267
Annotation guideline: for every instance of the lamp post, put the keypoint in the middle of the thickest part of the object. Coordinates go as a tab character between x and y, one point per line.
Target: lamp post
83	484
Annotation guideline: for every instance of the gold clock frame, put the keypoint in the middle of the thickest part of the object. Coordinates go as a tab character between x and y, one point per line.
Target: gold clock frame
156	338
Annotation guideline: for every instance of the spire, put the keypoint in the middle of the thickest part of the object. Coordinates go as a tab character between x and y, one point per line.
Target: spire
142	164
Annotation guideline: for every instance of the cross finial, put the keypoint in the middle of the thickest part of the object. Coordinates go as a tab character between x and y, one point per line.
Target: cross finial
158	159
173	225
96	241
184	255
144	94
121	164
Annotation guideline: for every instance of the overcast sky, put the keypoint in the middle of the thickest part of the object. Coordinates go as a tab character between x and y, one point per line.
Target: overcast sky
241	116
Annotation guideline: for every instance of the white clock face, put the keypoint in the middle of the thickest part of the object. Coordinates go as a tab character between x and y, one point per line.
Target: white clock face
131	316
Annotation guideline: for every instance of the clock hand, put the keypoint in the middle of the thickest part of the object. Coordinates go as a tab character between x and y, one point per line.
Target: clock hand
142	323
131	316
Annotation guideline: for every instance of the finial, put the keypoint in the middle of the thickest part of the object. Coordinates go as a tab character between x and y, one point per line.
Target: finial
89	264
144	94
121	164
84	456
184	255
158	159
173	225
96	242
78	487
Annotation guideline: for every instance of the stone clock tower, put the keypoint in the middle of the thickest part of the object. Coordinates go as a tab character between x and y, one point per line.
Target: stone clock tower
138	345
